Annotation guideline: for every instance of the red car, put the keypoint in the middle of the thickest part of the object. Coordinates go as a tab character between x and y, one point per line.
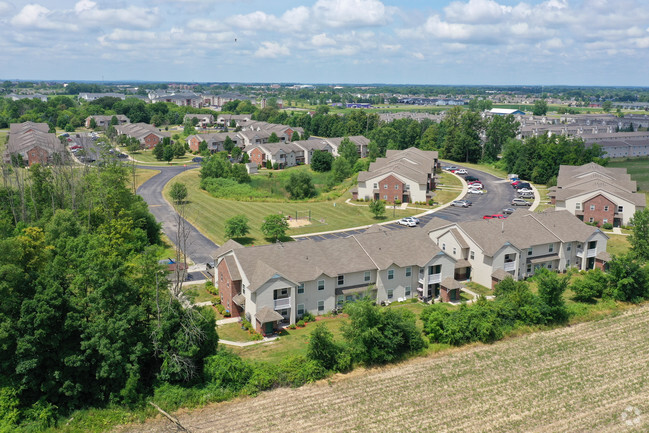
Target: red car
75	146
515	183
494	216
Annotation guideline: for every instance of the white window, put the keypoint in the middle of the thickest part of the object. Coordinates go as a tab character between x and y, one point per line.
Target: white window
376	186
408	271
341	280
396	197
569	247
385	197
605	208
300	309
320	284
391	274
529	252
605	220
620	209
567	263
549	265
443	247
592	207
577	206
551	248
300	288
341	300
385	186
408	290
591	220
243	290
396	186
454	250
529	268
320	305
367	276
472	255
390	293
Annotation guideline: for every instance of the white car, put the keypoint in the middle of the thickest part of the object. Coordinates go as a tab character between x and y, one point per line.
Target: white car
462	171
475	191
408	222
524	190
475	186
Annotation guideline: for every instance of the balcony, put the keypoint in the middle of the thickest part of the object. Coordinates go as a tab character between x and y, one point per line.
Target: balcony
283	303
510	266
591	252
432	279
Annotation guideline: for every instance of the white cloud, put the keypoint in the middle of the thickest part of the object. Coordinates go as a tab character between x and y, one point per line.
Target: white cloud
271	50
476	11
5	8
343	13
418	56
131	17
322	40
34	16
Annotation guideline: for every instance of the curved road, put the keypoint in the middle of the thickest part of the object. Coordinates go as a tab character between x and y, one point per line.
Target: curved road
199	248
499	195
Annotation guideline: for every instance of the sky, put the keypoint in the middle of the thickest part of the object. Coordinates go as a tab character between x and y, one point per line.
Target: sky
498	42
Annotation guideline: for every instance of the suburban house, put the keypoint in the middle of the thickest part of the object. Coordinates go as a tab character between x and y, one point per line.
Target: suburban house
239	119
204	120
487	251
287	154
94	96
33	142
104	121
597	194
283	132
275	283
311	145
181	99
362	144
148	135
215	141
406	176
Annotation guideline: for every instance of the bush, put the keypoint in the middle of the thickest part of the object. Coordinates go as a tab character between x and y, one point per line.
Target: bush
276	166
231	189
227	370
431	202
591	286
292	326
607	226
308	317
322	347
297	370
301	324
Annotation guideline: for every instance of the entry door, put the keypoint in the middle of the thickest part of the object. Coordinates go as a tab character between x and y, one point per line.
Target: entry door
268	328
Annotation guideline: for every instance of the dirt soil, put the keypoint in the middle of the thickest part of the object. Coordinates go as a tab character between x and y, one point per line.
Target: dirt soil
591	377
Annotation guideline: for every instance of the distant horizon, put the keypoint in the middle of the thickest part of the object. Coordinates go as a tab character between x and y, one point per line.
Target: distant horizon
594	43
289	83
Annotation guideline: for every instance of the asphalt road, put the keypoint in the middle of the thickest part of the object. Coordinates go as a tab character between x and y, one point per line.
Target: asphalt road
498	196
199	248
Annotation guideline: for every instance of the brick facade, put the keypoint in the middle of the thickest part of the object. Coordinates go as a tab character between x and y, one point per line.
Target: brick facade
151	140
228	289
37	155
258	157
194	142
603	209
391	187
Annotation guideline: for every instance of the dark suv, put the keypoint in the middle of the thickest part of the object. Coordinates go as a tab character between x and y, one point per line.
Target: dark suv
471	178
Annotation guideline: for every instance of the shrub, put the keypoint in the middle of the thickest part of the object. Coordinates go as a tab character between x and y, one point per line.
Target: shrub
607	226
297	370
292	326
322	347
431	202
591	286
227	370
301	324
264	376
227	314
308	317
276	166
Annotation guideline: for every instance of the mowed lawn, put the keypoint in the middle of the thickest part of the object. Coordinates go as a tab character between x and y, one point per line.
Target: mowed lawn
590	377
209	214
638	168
148	157
142	175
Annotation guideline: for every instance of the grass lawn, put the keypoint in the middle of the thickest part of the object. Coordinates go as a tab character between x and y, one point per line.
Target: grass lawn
197	293
638	169
209	214
617	245
147	157
487	168
479	289
233	332
292	342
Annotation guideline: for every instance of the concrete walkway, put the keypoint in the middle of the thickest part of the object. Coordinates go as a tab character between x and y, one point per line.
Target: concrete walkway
228	320
247	343
537	198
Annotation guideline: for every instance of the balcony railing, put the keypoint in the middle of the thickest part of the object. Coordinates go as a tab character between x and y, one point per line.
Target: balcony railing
510	266
283	303
432	279
591	252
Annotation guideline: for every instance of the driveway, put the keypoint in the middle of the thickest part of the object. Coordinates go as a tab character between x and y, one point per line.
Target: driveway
498	196
199	247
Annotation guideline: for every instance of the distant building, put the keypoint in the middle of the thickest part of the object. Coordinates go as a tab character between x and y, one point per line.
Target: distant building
148	136
33	142
506	112
104	121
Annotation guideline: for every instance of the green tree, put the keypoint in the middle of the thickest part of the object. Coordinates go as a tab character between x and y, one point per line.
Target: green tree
274	227
168	153
348	150
93	123
158	151
321	161
300	186
178	192
236	227
295	136
341	169
215	166
639	237
178	149
591	286
540	107
239	173
607	106
273	138
236	153
500	129
551	287
322	347
628	280
377	207
188	129
202	147
228	144
114	121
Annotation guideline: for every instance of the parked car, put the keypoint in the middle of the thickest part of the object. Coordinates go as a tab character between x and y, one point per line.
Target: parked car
459	203
514	183
524	190
197	159
452	168
471	178
468	202
521	185
526	195
494	216
520	202
477	185
508	210
475	191
407	222
415	219
462	171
